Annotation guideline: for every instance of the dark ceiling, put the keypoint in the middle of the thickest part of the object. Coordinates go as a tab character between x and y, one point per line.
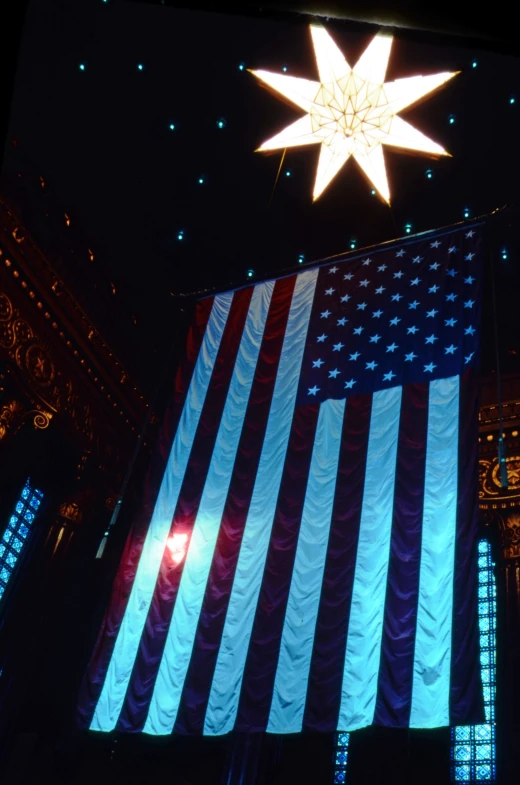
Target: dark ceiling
100	138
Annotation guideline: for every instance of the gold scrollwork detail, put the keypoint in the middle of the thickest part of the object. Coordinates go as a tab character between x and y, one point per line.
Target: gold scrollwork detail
41	420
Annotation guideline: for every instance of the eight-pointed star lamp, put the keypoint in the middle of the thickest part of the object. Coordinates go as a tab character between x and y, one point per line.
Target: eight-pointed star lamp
352	111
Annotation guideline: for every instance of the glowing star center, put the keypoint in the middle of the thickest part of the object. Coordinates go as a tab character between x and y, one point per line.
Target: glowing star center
352	111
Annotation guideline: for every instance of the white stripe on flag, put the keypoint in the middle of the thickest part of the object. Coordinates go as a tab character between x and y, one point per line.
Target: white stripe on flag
365	629
432	660
292	674
127	643
227	679
183	626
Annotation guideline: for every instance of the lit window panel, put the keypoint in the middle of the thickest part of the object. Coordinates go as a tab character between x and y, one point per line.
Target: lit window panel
340	758
473	747
17	532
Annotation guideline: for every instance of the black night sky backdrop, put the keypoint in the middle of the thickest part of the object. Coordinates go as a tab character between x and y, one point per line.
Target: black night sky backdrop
117	107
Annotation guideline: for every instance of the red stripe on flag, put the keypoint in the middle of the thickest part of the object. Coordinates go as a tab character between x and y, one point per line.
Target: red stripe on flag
97	668
328	656
264	647
192	709
466	701
140	689
394	695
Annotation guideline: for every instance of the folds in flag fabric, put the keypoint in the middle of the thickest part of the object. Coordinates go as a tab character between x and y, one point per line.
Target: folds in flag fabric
309	559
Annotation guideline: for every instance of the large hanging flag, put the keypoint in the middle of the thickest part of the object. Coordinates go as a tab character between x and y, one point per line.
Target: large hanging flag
310	561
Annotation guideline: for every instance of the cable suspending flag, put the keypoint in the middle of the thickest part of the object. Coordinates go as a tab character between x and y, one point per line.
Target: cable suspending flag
309	560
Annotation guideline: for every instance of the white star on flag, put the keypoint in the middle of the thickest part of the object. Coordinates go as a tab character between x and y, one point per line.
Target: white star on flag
349	385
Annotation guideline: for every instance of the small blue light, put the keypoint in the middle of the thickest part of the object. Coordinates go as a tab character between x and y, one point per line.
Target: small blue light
172	126
82	66
106	533
353	243
284	69
512	100
180	235
241	66
467	212
140	67
504	253
250	273
429	174
408	228
301	259
201	180
474	64
288	173
373	191
221	123
451	119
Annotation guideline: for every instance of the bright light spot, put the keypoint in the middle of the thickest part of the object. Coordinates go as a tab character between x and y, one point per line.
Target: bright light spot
512	100
408	228
353	243
241	66
201	180
82	66
451	119
180	235
429	174
172	126
221	123
140	67
177	545
352	112
504	253
474	64
250	273
514	433
466	212
489	437
284	69
288	173
301	258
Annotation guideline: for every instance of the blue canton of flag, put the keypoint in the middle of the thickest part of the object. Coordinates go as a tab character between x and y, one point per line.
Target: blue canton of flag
404	315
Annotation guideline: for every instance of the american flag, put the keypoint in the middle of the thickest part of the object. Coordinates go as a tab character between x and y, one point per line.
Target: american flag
309	560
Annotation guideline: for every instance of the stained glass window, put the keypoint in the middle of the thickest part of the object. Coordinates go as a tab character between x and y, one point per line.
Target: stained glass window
340	758
473	747
17	532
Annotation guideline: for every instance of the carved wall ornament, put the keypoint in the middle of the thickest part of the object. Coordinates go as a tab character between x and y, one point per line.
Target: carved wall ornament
71	511
510	534
490	487
10	418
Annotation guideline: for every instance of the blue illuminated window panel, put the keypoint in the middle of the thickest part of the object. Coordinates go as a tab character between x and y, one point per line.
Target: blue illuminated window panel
473	747
15	536
341	758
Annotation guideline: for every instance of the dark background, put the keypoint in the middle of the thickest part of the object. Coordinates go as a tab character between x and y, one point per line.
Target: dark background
100	140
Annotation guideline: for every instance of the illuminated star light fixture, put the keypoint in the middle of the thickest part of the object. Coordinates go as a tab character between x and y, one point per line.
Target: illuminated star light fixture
352	111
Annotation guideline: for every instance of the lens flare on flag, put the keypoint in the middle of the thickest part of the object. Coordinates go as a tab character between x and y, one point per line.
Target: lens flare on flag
178	545
352	111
